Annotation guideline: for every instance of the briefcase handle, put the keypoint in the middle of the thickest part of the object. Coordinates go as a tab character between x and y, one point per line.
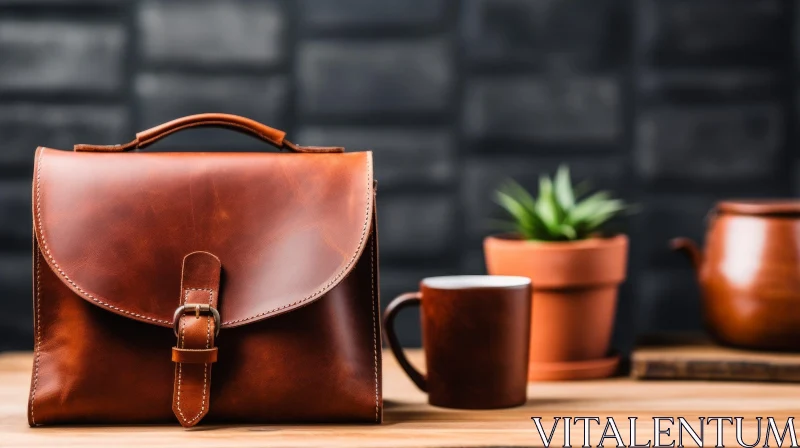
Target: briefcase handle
270	135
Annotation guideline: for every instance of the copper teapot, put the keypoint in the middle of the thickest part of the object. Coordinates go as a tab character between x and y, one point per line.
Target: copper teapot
749	273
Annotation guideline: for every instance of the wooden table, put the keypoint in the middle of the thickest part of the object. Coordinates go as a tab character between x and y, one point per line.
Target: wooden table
409	421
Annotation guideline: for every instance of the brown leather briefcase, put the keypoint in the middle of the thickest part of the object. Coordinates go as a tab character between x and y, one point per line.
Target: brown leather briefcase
225	287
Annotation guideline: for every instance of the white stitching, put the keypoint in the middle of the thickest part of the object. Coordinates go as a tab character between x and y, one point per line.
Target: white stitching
337	276
319	292
38	334
205	365
180	366
374	327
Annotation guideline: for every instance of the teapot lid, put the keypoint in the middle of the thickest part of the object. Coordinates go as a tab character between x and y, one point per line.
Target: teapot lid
760	207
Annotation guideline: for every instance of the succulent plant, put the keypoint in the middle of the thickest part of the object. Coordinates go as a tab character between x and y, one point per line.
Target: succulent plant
562	212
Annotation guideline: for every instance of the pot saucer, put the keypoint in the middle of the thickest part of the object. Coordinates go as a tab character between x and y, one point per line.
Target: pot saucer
575	370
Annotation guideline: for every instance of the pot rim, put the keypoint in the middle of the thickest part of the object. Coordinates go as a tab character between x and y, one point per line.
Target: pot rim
507	240
759	207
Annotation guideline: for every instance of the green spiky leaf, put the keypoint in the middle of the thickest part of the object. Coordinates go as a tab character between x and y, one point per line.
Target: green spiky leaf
563	188
547	206
526	223
559	212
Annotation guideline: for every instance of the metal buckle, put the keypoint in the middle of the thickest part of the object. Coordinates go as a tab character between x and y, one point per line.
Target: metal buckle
198	309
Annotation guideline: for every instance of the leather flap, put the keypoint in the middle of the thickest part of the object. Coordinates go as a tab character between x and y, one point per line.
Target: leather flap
286	227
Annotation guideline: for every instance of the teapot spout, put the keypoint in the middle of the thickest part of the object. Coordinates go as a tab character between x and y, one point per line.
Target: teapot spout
691	250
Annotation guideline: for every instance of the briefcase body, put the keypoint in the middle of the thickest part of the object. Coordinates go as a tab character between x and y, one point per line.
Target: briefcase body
213	287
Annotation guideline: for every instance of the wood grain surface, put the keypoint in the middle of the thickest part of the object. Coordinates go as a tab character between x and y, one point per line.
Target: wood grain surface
411	422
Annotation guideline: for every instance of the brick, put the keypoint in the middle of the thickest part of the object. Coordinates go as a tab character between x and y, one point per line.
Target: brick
667	217
165	97
566	35
41	55
573	109
796	35
61	3
713	32
16	320
212	32
708	85
625	324
394	283
402	157
473	261
724	143
668	300
482	176
374	77
416	226
796	177
15	215
24	126
331	14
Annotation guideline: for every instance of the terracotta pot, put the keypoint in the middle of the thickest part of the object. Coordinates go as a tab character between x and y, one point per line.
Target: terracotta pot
749	274
575	287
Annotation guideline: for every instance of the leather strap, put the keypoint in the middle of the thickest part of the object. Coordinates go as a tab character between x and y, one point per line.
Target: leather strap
196	333
191	356
245	125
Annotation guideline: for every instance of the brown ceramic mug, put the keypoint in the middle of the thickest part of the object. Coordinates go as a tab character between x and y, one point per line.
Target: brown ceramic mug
475	332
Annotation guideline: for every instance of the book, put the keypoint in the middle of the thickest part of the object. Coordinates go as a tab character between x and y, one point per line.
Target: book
696	357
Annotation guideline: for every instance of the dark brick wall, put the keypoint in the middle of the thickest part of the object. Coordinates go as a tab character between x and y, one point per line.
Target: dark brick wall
673	104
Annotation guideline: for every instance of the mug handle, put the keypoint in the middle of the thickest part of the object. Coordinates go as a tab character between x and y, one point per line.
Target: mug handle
403	301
